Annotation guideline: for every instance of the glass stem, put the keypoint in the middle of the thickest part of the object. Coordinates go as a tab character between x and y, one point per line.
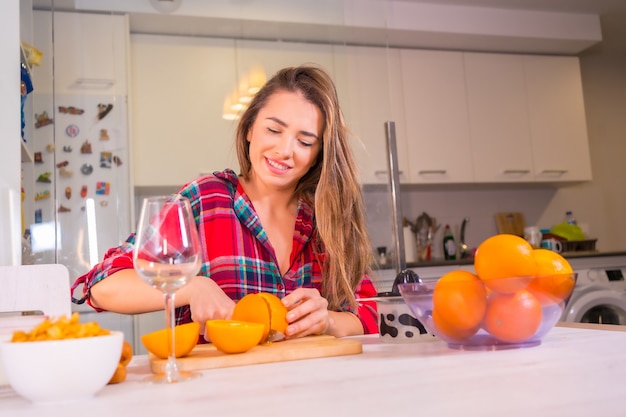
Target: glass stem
171	369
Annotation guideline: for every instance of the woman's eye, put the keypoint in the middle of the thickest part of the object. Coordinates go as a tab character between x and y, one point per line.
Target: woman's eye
304	143
272	130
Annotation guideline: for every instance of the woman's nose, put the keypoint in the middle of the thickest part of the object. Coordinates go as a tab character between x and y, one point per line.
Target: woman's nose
284	147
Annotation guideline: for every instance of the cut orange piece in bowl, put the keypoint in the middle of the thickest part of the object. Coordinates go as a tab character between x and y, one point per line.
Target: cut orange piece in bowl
264	308
232	336
158	342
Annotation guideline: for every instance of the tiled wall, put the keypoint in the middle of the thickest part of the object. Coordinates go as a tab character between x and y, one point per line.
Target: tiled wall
450	206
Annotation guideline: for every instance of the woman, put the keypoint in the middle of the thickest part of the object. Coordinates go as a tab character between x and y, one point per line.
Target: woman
292	223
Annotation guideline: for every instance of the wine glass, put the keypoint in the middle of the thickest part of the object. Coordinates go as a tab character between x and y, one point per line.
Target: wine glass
167	256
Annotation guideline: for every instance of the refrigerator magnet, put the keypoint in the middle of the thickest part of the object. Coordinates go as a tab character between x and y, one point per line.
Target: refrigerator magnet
103	110
86	169
83	191
42	120
65	173
67	149
104	134
72	131
85	147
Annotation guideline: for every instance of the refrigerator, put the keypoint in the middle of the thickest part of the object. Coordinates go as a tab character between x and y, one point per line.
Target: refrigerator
77	190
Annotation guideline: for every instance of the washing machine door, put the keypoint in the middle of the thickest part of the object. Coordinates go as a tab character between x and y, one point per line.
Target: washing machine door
597	306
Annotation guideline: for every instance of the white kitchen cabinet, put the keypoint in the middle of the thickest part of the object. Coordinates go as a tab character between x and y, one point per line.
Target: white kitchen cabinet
498	115
370	92
90	54
557	119
271	56
436	114
180	85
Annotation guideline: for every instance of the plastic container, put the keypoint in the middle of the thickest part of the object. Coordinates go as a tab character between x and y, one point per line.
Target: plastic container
569	218
449	246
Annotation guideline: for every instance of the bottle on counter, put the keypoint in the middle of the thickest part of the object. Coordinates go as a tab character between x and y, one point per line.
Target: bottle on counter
569	218
449	246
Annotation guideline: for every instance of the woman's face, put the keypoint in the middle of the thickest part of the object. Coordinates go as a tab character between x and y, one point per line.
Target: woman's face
285	139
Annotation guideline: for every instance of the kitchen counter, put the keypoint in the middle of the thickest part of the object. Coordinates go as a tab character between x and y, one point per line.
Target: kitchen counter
578	370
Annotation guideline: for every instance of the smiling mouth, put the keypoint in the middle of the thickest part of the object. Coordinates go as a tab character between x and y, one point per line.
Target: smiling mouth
277	165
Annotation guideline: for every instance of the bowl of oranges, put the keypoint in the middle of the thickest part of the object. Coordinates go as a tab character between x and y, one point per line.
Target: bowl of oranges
516	295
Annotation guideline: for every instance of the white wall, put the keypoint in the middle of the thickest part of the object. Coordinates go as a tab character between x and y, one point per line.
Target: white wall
10	222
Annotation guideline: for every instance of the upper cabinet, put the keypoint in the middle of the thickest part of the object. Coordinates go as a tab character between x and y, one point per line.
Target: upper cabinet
498	114
558	127
180	87
90	53
437	126
527	118
370	92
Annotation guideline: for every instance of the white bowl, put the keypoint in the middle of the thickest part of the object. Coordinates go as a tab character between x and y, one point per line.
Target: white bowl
61	370
11	324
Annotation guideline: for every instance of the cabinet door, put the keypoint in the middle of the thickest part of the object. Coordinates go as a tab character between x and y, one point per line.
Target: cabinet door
557	119
498	115
90	53
268	57
179	88
437	125
370	92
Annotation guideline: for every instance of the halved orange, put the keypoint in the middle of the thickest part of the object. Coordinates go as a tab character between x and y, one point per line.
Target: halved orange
232	336
158	343
264	308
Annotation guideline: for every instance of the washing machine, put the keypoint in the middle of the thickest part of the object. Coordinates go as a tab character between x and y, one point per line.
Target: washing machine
598	297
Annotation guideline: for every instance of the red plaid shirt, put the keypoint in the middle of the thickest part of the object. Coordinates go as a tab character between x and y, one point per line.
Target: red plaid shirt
237	254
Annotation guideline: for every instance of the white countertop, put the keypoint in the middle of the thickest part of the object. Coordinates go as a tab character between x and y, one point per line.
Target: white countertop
574	372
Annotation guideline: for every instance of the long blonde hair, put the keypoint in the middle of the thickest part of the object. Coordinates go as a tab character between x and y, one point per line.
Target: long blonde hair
331	185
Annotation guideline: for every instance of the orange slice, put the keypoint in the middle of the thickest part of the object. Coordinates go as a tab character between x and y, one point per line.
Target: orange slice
264	308
232	336
158	343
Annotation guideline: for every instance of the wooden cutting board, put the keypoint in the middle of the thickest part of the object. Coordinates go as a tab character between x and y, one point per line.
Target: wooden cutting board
208	357
511	222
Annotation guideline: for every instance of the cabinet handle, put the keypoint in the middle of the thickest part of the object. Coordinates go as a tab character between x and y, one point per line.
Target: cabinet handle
94	82
384	172
516	171
558	172
433	171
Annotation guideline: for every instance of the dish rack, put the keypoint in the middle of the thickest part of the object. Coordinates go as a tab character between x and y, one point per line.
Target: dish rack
585	245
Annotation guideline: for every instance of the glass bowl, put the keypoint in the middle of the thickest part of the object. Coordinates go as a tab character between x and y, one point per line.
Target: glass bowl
474	316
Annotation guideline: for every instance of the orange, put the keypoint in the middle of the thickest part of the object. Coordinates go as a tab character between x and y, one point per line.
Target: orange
505	256
555	277
158	343
459	304
231	336
264	308
512	318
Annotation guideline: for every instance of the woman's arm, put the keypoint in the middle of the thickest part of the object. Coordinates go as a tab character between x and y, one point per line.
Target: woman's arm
125	292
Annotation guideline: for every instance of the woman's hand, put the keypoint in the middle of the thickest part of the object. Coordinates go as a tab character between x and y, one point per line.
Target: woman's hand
308	313
207	301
